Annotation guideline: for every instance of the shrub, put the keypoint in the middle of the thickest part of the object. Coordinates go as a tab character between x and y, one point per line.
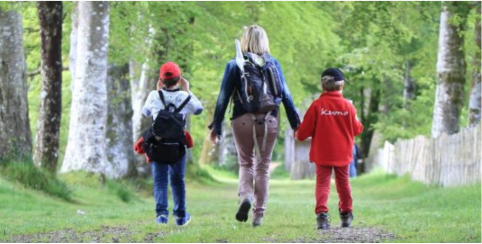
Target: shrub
38	179
120	189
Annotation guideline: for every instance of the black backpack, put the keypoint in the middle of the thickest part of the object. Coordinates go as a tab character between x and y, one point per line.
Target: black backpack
260	85
165	141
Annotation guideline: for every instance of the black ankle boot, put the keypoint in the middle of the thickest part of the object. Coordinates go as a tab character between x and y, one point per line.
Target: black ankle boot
243	210
323	221
346	219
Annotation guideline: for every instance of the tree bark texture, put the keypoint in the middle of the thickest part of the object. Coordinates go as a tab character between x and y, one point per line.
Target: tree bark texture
475	93
48	123
15	135
73	42
86	148
451	66
120	154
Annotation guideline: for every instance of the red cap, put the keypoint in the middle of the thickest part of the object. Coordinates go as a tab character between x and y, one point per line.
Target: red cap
169	70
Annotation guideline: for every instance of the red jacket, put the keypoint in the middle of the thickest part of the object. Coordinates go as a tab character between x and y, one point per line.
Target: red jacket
332	123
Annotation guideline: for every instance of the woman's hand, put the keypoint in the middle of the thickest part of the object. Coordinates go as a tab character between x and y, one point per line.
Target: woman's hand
213	137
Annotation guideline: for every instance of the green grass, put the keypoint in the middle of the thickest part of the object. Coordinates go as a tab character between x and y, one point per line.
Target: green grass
418	213
39	179
412	211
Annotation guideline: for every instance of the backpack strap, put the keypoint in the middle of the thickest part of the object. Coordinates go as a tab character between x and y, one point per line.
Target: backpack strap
161	95
257	148
273	80
183	104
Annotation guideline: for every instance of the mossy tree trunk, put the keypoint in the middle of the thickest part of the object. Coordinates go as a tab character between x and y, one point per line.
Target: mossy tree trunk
46	151
15	137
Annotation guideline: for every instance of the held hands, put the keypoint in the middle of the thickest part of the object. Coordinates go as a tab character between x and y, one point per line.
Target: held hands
213	137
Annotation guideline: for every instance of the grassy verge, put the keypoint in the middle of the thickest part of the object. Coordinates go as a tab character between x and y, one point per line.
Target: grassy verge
418	213
38	179
412	211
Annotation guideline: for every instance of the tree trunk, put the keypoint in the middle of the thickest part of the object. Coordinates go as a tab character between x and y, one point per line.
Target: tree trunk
46	151
15	135
141	84
450	76
289	149
120	154
475	93
189	156
301	167
388	94
409	88
228	153
368	121
73	42
140	90
208	151
86	148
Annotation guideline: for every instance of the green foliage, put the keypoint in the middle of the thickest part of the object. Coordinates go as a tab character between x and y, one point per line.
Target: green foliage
371	42
196	173
280	173
120	189
29	176
12	6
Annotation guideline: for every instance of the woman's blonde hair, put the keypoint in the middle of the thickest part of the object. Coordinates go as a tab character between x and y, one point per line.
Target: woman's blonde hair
255	40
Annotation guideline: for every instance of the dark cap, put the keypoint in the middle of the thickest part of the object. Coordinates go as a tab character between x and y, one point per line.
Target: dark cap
335	72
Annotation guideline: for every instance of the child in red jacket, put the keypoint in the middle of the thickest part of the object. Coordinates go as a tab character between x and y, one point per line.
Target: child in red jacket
332	123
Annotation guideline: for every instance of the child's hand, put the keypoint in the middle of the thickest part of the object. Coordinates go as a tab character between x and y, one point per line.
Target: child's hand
184	84
294	134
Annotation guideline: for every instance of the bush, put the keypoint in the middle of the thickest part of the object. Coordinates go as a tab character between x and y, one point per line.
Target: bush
15	152
120	189
280	173
195	172
38	179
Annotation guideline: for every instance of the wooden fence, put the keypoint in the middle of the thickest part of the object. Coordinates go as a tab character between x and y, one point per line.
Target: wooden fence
449	160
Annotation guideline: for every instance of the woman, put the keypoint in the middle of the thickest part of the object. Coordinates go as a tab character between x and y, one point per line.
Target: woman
253	172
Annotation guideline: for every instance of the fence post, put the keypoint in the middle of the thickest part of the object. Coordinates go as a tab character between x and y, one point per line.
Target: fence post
449	160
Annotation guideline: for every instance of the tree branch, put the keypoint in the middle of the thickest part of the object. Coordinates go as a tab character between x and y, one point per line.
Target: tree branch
37	72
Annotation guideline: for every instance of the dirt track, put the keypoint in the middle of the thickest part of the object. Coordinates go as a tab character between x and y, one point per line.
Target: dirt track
116	234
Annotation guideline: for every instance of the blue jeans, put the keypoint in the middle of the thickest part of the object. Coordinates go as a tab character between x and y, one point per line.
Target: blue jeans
176	177
353	169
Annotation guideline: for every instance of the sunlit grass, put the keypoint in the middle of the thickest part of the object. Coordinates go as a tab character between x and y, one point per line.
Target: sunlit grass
412	211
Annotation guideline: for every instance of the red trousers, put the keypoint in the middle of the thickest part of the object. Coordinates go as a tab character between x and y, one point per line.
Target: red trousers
342	180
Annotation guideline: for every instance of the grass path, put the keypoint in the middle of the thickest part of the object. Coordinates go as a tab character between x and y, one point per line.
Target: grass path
387	208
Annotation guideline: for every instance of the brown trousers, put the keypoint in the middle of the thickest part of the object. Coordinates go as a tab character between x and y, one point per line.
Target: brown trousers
254	171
